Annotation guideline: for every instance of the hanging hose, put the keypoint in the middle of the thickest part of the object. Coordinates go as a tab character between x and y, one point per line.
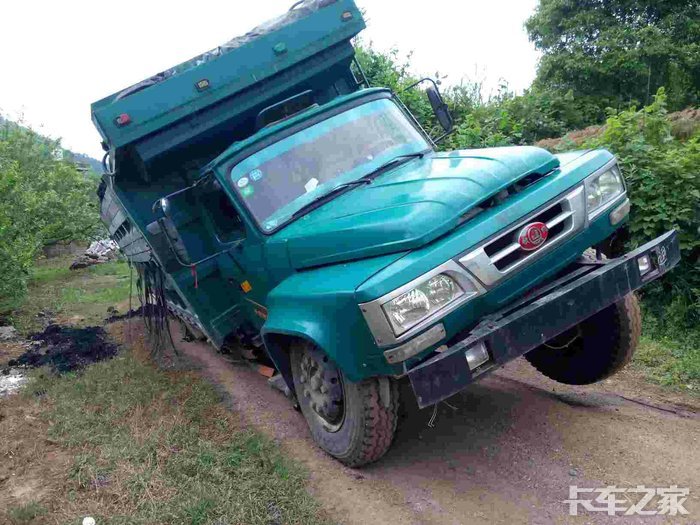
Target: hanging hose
131	294
151	291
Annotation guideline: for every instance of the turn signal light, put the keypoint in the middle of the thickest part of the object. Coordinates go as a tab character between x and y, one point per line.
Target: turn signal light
619	213
644	264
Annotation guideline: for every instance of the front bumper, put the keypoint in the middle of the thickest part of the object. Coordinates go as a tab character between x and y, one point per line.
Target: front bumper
550	311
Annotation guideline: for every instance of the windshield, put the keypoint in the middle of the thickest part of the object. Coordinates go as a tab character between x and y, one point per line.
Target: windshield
281	178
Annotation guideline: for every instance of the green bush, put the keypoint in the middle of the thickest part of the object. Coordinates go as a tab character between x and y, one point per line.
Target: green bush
42	200
664	186
497	120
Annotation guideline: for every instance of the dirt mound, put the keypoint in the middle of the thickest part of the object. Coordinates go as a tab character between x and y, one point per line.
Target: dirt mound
683	125
571	140
65	348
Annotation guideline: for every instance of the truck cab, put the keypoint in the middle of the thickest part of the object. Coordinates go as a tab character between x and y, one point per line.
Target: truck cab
270	198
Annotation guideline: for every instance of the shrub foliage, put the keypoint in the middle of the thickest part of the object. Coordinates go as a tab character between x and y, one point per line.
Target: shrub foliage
664	187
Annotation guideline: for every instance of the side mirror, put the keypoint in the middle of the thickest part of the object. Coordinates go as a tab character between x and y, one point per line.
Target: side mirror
163	205
442	112
167	227
200	226
437	103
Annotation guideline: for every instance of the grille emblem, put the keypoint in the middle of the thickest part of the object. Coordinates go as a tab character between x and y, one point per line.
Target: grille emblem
533	236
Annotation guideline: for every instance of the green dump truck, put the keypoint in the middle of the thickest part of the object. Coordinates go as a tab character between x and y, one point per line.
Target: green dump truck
272	200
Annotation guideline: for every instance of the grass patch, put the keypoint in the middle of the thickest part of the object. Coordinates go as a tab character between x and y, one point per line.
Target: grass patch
670	362
84	295
148	446
25	513
669	357
139	445
48	271
89	295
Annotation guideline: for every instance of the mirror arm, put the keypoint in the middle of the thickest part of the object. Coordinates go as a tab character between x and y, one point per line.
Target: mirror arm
157	203
426	79
208	258
362	72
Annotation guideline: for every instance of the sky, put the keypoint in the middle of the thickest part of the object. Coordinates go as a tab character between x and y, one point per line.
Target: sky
58	57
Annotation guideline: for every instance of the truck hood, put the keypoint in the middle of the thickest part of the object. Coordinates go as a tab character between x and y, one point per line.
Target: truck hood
409	206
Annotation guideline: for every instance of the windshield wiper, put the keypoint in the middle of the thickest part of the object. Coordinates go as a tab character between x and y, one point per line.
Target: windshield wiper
365	179
322	199
400	159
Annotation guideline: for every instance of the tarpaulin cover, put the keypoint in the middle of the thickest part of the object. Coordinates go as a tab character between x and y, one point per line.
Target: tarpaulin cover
299	10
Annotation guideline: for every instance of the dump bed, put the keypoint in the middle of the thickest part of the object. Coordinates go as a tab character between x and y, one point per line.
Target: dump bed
312	38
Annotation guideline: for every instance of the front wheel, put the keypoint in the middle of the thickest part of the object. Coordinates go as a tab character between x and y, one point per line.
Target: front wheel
353	422
594	349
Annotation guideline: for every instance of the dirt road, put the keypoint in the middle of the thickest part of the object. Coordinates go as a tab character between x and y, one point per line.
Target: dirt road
505	451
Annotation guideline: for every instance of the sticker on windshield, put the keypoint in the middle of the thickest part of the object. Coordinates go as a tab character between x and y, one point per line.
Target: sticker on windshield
269	225
255	175
311	185
247	191
242	182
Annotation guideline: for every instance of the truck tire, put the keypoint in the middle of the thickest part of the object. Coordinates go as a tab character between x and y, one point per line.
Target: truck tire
594	349
359	421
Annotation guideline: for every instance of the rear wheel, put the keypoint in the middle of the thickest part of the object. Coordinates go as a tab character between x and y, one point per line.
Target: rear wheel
353	422
594	349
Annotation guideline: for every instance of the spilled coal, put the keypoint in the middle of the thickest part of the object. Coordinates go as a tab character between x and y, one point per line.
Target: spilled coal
65	348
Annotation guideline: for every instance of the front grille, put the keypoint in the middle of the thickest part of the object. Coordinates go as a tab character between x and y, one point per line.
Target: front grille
497	257
505	251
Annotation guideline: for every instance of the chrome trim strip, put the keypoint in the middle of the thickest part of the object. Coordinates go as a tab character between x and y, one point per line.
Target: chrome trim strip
379	324
483	267
505	252
559	219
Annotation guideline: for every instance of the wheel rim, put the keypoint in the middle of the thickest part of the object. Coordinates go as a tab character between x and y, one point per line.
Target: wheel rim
322	387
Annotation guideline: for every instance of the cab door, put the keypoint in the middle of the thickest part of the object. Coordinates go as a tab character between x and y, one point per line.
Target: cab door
221	280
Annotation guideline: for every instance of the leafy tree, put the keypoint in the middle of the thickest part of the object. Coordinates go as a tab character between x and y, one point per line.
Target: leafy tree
43	200
544	113
619	52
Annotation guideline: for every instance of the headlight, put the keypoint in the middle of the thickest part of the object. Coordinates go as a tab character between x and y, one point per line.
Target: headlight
411	307
602	189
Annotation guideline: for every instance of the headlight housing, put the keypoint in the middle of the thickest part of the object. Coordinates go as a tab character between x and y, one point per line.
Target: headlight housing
422	301
603	188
